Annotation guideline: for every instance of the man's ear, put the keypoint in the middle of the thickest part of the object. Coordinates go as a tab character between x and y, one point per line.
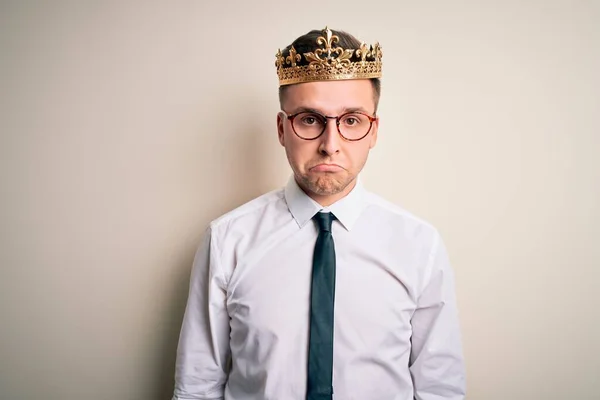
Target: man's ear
374	131
280	121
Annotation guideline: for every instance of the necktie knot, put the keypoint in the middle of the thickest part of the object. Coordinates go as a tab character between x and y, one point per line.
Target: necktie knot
324	220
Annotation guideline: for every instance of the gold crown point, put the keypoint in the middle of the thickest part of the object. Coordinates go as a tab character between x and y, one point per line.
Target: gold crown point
279	59
293	57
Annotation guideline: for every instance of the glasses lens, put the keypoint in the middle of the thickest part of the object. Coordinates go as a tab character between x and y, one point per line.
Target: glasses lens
309	125
354	125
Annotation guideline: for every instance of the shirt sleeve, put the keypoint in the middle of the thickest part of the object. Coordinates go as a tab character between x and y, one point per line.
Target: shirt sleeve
436	362
203	352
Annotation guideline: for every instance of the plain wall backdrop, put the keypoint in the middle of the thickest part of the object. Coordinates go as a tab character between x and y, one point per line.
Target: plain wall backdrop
125	127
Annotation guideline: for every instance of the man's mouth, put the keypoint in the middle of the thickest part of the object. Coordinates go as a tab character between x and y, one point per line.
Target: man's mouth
326	167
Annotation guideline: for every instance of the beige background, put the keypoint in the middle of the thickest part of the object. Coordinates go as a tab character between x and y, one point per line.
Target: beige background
125	128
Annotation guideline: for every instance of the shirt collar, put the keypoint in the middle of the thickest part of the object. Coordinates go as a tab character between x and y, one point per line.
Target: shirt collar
303	208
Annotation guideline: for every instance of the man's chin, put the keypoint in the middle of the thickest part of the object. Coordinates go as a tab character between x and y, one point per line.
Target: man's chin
326	185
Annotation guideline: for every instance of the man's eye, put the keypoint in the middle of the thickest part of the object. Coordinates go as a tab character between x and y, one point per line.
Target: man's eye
351	121
310	120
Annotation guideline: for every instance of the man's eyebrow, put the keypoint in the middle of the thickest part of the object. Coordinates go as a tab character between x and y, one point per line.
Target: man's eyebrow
314	110
307	109
355	109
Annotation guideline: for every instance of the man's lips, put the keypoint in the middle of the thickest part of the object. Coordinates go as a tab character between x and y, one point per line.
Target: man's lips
326	168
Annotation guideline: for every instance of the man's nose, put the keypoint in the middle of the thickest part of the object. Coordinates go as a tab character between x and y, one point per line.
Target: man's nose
330	139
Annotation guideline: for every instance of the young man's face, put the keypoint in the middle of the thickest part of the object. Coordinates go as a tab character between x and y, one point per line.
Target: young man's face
326	167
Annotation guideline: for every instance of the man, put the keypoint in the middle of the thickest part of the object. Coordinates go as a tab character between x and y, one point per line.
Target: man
322	290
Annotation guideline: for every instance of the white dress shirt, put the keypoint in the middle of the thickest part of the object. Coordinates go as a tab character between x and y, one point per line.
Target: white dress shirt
246	325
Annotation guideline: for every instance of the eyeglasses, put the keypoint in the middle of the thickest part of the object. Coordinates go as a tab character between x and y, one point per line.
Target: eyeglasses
352	126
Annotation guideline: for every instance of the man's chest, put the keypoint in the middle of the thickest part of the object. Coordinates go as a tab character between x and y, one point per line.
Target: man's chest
269	293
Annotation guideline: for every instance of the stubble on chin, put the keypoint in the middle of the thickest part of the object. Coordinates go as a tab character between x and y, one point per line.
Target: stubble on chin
325	185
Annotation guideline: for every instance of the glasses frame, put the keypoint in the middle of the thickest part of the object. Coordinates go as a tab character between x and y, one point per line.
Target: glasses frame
291	118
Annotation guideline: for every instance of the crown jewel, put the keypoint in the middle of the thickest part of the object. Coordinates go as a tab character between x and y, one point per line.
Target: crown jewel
329	62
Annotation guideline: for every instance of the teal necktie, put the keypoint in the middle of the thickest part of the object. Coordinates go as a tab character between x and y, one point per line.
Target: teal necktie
322	297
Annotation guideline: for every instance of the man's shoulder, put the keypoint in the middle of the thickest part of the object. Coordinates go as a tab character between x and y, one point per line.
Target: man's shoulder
397	215
248	210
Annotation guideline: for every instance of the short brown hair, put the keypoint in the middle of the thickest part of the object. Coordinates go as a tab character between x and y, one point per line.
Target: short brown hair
306	44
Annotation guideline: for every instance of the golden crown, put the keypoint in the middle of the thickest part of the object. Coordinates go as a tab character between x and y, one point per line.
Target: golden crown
329	62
